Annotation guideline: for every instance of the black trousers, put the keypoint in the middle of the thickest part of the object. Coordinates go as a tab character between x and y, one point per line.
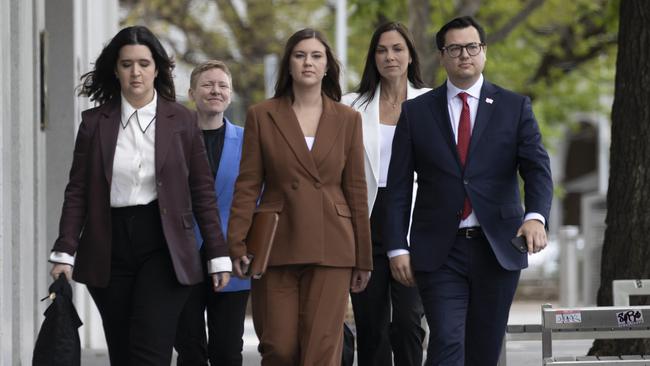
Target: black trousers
226	312
143	300
379	331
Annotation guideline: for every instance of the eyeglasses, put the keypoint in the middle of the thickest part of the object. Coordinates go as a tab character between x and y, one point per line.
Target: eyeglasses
455	50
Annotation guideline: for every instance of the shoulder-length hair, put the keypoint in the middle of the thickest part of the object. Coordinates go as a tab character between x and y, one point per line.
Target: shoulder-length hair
101	85
371	77
330	85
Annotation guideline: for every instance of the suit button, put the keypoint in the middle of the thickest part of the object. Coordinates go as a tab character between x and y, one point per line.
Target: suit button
317	185
294	185
465	181
159	183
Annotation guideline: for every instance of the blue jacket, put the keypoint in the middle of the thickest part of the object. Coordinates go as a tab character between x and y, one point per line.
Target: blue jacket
224	186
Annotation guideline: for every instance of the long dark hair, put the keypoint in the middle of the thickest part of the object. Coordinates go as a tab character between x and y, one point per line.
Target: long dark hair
371	77
330	85
101	85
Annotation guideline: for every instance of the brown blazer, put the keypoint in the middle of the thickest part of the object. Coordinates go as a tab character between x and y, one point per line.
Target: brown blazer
185	190
320	194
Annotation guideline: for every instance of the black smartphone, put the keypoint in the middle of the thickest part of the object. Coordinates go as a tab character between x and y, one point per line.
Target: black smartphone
519	242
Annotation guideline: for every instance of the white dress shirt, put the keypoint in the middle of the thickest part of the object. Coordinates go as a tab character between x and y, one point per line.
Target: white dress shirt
134	167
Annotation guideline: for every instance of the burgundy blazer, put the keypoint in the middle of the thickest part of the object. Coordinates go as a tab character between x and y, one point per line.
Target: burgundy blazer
320	194
184	183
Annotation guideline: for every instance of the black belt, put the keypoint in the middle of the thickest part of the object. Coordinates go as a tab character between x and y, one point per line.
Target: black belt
470	232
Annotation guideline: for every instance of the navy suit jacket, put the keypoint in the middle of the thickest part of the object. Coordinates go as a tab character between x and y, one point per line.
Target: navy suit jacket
505	141
224	187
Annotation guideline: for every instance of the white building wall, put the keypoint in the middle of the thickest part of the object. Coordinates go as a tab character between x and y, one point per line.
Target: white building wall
34	161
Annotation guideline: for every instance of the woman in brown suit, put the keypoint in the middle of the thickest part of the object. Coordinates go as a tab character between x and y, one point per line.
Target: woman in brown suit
303	158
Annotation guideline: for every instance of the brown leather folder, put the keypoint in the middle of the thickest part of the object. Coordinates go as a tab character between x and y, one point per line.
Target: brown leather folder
260	241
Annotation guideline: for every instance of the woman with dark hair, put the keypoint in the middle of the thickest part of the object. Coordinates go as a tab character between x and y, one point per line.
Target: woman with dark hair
303	158
391	75
139	178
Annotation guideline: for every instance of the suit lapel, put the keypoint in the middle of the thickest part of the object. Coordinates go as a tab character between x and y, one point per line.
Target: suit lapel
440	112
165	128
327	132
109	125
229	158
371	132
287	123
483	114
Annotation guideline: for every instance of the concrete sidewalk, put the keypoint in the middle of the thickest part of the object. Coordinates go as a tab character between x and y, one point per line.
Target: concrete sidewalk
521	353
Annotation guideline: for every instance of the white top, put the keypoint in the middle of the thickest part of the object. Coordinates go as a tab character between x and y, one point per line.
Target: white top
386	133
134	169
310	141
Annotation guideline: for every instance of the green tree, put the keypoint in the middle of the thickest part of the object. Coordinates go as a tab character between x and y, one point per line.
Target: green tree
626	247
239	33
560	53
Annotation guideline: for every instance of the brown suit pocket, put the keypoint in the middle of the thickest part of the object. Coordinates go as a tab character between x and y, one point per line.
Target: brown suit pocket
270	207
343	210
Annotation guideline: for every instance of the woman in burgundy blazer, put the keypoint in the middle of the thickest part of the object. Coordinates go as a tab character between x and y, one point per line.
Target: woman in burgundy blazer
303	153
138	179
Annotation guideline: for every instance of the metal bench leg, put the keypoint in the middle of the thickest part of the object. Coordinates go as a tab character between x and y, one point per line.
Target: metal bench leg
547	340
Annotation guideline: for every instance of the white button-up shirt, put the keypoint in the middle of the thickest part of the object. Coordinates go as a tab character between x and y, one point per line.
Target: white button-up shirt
134	169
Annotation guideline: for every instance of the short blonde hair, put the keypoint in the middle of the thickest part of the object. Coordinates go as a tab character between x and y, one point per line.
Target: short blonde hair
208	65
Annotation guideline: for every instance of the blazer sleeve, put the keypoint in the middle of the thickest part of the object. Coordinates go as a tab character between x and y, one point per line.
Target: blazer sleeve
247	187
534	164
73	213
204	201
355	191
399	185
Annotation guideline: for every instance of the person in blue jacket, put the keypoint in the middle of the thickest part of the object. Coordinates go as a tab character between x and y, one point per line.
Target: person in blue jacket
211	90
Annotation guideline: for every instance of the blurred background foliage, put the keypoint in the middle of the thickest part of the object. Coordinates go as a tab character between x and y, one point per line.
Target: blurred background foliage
560	53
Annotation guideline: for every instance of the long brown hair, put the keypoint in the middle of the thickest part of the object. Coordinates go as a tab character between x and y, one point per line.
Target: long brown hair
330	85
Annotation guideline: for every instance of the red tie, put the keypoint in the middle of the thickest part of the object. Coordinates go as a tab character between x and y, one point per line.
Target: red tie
464	134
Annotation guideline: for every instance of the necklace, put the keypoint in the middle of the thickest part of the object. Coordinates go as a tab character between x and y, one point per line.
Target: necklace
394	104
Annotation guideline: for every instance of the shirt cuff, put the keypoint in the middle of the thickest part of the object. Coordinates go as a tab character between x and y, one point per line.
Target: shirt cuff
396	252
535	216
219	264
61	258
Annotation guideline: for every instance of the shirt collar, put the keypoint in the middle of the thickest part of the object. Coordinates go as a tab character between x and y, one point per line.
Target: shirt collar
146	114
474	90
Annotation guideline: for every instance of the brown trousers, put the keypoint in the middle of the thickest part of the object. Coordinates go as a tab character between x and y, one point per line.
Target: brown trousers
298	313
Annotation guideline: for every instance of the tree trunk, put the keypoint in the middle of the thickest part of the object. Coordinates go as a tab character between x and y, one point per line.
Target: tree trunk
626	248
419	22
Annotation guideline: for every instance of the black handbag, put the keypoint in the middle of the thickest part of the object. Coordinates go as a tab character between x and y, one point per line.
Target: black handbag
58	341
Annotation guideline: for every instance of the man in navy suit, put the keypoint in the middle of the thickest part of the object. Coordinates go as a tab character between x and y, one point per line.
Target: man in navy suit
467	140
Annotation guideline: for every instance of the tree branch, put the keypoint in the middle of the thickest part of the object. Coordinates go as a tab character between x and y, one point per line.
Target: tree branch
507	28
